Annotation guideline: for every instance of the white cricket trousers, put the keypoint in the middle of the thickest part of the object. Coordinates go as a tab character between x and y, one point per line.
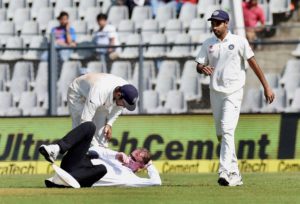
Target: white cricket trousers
76	104
226	111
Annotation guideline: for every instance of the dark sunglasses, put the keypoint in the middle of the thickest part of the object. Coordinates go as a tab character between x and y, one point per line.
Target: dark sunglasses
132	157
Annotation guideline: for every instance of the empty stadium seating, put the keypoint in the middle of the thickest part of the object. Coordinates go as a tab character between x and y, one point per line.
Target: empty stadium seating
27	24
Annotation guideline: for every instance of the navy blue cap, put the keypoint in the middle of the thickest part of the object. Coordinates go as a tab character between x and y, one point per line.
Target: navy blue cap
219	15
130	96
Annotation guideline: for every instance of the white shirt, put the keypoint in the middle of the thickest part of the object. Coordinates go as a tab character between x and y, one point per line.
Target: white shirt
97	92
228	59
103	37
119	175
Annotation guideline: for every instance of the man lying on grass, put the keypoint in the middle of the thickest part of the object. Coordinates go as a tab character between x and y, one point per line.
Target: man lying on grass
97	166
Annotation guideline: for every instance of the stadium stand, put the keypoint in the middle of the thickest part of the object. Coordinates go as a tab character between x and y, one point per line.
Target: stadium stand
37	5
191	87
13	42
131	52
73	13
29	29
151	101
278	104
83	5
40	85
197	28
295	105
2	14
27	24
188	12
179	51
149	28
44	16
4	72
173	27
21	15
63	5
35	42
175	102
148	74
90	17
165	13
117	14
140	14
280	6
5	103
253	101
156	51
122	69
70	70
13	6
125	28
96	67
7	30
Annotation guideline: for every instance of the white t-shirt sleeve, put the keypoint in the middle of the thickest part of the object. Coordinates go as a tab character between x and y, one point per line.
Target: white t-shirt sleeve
247	51
114	114
111	32
91	104
153	180
202	57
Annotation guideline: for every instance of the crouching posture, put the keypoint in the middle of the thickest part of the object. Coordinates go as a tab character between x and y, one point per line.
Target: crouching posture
98	166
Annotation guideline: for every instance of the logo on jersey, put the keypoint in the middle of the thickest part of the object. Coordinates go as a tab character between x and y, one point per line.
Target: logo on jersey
211	49
231	47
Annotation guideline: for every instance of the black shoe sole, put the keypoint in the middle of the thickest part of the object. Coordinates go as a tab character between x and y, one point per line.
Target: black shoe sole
223	182
43	152
50	184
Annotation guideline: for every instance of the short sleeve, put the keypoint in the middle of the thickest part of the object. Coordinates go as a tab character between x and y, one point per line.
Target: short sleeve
112	32
202	57
73	34
247	51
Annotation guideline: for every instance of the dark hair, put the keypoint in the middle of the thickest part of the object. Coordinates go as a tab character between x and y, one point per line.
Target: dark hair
145	155
62	14
101	16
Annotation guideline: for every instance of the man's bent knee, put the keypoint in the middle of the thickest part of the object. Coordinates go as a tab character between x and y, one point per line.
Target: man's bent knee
89	127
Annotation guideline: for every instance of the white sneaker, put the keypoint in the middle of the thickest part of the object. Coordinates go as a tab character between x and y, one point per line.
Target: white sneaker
50	152
235	179
223	179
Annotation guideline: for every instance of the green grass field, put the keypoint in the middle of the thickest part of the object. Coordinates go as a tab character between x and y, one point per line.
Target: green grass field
177	188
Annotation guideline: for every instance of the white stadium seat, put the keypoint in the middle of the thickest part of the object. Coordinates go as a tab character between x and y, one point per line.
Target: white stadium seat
140	14
165	13
13	42
117	14
149	28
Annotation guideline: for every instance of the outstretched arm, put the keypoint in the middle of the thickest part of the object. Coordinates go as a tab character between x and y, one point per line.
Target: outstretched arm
269	95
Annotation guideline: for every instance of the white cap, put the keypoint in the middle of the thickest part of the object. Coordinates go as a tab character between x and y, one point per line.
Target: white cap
63	178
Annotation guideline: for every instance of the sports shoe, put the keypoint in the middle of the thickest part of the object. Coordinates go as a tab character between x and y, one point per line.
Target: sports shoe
223	179
50	152
235	179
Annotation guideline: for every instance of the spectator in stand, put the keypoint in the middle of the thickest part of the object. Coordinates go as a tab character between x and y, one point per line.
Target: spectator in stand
253	13
133	3
64	35
106	35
